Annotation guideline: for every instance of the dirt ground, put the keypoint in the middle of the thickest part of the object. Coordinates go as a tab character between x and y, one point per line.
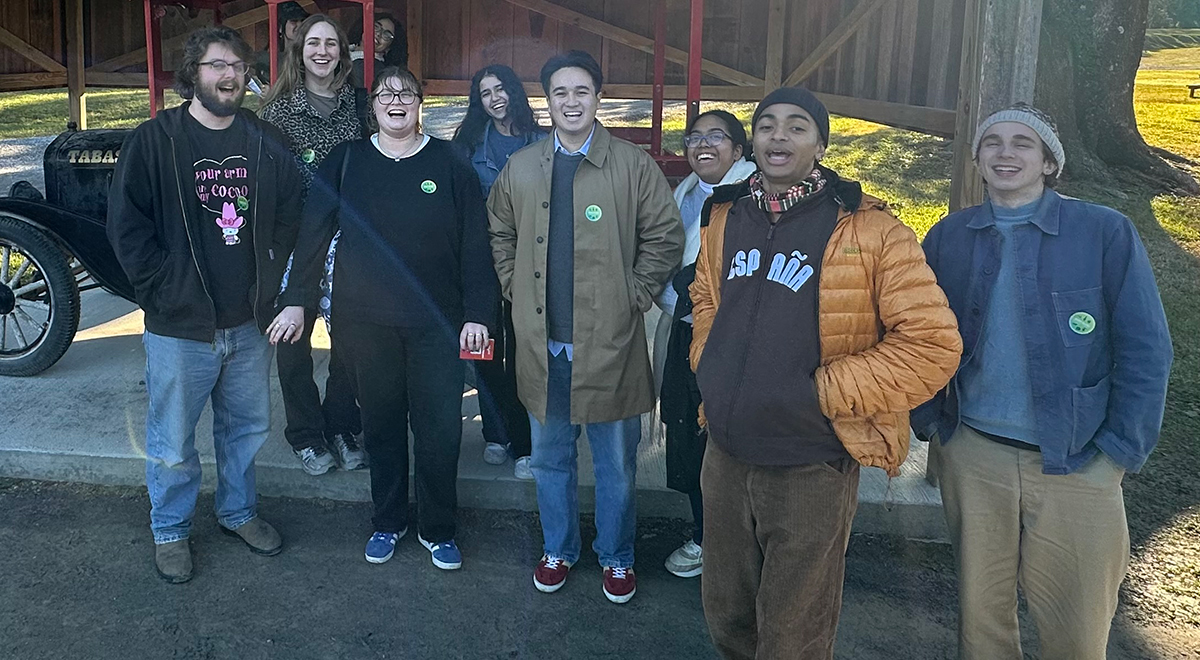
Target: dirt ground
78	582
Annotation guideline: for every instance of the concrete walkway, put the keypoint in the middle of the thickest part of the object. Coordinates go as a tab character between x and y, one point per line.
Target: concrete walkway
84	420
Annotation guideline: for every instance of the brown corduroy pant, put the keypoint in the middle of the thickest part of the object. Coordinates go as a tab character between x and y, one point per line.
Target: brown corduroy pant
775	555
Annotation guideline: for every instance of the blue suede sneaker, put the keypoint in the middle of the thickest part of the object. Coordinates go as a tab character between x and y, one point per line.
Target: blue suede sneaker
381	546
445	555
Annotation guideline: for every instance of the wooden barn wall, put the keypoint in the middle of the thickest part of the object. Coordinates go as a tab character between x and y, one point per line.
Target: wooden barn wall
898	56
116	27
908	51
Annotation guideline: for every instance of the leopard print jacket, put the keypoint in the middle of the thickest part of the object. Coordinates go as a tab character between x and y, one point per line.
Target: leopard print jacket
310	135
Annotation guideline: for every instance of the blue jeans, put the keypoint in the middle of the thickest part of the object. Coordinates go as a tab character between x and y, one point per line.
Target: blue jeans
555	470
181	376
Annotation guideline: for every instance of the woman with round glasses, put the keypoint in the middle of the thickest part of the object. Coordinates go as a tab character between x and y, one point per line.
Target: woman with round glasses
716	147
315	106
415	285
391	48
498	123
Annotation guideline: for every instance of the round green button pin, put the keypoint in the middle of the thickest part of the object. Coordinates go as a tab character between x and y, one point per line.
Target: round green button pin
308	155
428	186
242	203
593	213
1082	323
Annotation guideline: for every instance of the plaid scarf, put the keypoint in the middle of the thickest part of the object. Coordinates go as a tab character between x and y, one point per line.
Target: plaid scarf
810	186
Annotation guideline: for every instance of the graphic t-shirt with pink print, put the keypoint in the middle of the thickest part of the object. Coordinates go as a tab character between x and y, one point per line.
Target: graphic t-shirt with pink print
223	204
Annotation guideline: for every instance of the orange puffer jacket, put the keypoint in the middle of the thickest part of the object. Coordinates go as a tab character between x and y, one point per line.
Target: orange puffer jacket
889	341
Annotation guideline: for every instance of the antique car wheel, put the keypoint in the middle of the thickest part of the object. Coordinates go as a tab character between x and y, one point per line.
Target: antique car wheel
39	299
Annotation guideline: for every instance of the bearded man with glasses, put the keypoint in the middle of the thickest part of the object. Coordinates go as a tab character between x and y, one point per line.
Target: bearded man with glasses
202	216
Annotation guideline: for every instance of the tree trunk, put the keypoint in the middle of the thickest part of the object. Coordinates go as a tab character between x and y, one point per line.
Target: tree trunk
1089	56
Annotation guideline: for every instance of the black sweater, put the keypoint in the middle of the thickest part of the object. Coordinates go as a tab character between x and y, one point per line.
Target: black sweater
414	248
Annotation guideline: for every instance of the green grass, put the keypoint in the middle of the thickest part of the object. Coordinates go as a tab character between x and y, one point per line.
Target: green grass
44	112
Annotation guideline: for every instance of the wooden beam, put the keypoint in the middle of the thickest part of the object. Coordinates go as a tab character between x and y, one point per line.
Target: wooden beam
773	78
934	121
24	49
443	87
14	82
105	79
237	22
76	85
416	41
831	43
999	65
632	39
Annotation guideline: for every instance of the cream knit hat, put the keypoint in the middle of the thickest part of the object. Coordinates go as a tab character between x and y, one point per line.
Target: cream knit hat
1023	113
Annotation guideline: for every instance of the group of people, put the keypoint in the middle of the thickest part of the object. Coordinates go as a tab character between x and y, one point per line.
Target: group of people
802	324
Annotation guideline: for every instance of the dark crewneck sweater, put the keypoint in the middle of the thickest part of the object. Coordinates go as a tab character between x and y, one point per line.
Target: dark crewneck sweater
414	248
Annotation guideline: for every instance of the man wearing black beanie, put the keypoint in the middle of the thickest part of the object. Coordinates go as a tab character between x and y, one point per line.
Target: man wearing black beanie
824	327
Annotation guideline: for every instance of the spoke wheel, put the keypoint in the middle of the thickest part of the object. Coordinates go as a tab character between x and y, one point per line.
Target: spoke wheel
39	299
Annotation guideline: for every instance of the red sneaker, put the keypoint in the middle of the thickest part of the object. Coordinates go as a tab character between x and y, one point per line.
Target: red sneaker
550	574
620	584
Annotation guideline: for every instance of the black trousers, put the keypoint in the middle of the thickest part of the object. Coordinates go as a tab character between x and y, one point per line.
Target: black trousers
505	420
408	376
309	420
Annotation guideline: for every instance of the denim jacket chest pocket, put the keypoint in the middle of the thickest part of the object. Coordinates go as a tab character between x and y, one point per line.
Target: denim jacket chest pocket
1080	315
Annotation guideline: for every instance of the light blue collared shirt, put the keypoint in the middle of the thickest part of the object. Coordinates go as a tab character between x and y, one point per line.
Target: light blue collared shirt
558	146
557	347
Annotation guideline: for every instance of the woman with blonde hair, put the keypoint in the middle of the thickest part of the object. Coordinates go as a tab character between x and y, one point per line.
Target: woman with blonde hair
315	106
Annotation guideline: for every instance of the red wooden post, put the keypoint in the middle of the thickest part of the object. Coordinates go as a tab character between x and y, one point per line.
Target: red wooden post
154	55
695	48
273	30
369	42
660	68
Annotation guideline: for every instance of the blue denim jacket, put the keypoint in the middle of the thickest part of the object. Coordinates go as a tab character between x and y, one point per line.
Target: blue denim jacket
1095	331
483	164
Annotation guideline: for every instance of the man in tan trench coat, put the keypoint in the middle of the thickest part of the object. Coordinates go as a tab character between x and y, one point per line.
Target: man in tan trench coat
584	234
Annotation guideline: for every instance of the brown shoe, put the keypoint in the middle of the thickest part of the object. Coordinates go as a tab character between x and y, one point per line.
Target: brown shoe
260	536
174	561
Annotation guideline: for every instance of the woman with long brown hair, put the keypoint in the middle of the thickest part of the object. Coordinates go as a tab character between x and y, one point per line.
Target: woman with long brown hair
315	106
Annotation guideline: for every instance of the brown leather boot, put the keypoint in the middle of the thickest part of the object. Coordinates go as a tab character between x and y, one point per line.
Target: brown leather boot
260	536
174	561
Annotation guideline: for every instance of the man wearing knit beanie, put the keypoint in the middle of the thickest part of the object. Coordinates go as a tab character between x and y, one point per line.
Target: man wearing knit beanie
1060	392
817	327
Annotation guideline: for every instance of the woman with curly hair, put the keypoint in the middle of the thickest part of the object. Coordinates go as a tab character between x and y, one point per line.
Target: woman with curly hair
499	122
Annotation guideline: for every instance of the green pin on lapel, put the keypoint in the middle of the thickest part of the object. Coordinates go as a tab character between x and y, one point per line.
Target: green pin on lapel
428	186
593	213
308	155
1082	323
242	203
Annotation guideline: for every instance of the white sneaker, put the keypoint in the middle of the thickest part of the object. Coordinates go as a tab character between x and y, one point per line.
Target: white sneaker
521	469
315	460
687	561
495	454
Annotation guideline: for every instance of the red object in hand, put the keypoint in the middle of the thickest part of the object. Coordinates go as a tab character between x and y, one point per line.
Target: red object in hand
485	354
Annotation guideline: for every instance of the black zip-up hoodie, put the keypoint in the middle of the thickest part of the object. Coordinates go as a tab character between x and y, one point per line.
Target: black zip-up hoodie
152	228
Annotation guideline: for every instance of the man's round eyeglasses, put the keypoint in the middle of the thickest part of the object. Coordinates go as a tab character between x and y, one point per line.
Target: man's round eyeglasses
693	140
221	66
387	97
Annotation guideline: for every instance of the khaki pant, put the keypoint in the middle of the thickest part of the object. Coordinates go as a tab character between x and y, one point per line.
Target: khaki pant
775	555
1062	538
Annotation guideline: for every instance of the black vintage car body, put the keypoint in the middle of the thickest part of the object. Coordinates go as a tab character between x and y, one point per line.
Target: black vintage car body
54	246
